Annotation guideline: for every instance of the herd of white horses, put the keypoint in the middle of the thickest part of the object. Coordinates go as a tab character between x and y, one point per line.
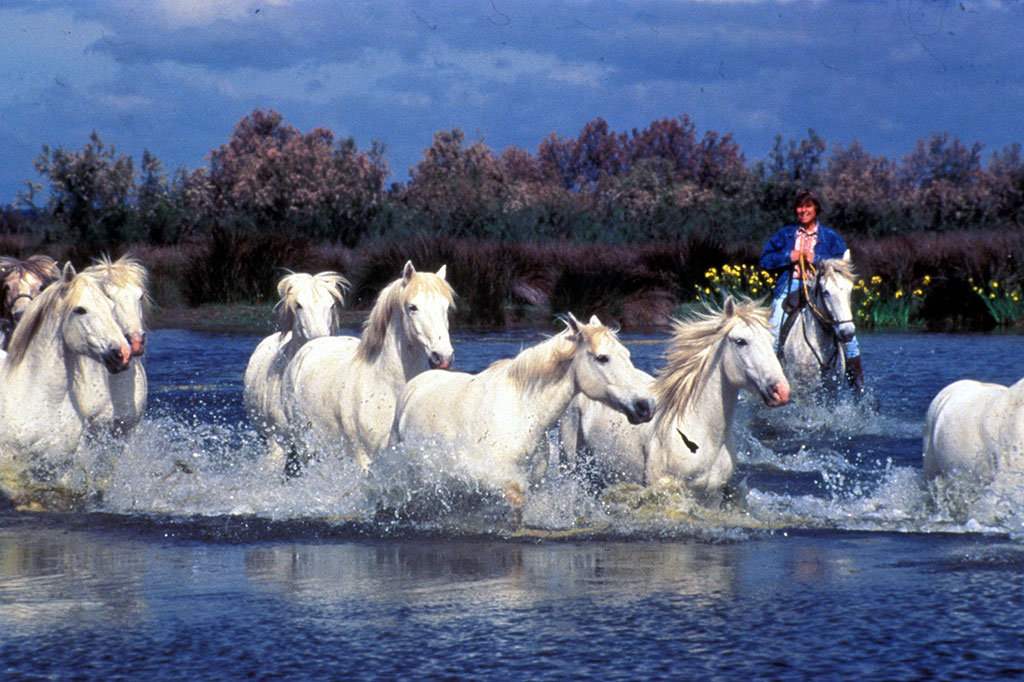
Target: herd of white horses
72	371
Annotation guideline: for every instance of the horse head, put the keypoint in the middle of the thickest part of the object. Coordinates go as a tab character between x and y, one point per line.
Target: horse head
748	353
604	371
308	305
85	323
830	296
125	282
23	280
425	300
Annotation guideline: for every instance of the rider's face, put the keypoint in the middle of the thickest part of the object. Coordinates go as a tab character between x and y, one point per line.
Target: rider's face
806	214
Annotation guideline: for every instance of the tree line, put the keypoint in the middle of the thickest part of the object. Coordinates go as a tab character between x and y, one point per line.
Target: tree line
663	182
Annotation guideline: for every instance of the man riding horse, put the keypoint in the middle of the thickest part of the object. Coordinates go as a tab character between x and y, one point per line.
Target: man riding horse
791	253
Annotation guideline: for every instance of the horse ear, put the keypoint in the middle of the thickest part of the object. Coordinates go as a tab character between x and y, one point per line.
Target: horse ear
69	272
574	324
443	271
730	306
846	256
408	271
594	322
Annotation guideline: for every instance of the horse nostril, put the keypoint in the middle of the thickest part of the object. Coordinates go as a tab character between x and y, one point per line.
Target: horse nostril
137	342
643	408
438	361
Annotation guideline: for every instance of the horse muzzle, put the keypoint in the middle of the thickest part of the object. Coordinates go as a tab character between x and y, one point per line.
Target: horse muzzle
776	395
845	331
640	411
116	359
137	341
437	360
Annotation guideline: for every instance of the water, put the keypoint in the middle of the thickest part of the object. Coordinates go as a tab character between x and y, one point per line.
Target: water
198	564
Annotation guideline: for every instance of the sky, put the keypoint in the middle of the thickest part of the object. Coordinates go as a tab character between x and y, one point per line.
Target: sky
175	76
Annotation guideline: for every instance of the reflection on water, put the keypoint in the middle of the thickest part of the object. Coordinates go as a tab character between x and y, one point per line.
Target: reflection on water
50	579
108	600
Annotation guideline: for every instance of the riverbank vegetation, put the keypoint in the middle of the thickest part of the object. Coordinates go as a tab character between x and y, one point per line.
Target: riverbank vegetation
628	225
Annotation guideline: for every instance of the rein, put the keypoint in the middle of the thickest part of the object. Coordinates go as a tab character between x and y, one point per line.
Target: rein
825	318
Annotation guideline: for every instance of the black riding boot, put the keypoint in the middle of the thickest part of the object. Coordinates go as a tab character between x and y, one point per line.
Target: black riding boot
855	375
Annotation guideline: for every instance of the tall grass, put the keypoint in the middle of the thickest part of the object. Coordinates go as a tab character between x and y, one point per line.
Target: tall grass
950	281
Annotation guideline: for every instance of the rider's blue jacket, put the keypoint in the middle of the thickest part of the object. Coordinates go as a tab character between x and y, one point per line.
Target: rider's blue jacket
775	257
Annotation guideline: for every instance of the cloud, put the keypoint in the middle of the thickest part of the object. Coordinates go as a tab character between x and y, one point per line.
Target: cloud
174	76
177	14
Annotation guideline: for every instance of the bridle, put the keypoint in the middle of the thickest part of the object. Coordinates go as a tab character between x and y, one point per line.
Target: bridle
824	318
7	322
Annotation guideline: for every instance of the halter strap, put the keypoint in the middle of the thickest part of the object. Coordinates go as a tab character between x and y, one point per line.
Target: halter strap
823	317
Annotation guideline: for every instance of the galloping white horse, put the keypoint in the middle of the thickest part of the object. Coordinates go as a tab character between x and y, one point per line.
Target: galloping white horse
975	430
710	358
117	401
66	329
307	309
340	392
491	424
812	351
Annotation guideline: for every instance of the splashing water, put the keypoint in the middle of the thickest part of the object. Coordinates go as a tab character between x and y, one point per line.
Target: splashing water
843	466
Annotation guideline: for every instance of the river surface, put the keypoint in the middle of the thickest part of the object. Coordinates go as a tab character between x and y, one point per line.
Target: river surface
199	564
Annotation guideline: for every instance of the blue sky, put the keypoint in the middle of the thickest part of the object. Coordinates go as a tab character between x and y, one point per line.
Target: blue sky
174	76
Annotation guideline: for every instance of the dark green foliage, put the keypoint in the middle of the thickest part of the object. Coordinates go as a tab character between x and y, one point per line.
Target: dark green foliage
624	224
231	266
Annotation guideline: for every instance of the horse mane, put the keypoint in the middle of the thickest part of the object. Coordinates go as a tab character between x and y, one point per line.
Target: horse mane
126	271
550	359
690	354
391	299
325	283
55	300
836	267
43	267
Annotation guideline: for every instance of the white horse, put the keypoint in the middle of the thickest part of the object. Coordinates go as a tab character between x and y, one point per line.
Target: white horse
340	392
709	360
307	309
812	350
68	328
491	424
117	401
975	431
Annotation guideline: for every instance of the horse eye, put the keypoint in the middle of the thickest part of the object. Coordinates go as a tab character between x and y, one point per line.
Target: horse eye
298	306
740	342
79	310
602	358
413	308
